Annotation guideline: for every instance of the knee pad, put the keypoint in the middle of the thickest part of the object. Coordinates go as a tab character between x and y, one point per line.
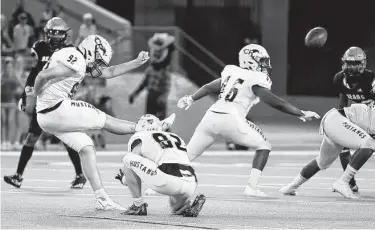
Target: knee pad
368	143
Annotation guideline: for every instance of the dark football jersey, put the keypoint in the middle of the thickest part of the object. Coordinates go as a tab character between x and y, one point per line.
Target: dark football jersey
357	88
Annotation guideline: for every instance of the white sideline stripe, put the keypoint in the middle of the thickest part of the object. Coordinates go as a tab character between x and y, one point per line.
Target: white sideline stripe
64	193
208	153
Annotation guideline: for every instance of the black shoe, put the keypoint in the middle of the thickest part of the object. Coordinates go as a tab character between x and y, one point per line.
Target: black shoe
136	210
196	207
353	185
79	181
14	180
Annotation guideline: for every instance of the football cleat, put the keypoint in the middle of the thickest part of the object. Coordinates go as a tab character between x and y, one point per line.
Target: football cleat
106	204
136	210
289	190
14	180
344	189
249	191
79	181
195	207
151	192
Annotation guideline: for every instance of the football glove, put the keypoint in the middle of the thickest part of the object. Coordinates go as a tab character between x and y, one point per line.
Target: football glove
308	116
185	102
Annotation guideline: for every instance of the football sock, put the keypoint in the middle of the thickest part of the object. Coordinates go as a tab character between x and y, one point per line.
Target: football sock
345	158
254	177
138	201
260	158
76	160
360	157
26	154
298	180
348	174
310	169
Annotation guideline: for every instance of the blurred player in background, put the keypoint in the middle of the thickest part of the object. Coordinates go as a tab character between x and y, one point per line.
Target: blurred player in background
68	119
354	83
240	88
159	159
56	33
158	75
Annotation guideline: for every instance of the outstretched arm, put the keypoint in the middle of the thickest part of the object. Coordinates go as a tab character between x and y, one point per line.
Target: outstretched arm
120	69
272	100
188	100
212	87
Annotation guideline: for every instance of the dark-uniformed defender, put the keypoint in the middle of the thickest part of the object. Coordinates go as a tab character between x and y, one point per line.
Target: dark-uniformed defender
41	52
354	83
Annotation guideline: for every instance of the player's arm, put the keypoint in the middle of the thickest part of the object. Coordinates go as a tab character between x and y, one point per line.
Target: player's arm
120	69
343	101
139	89
210	88
51	75
274	101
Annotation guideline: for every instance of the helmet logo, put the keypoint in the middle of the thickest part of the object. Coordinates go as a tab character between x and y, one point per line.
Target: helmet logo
249	51
99	45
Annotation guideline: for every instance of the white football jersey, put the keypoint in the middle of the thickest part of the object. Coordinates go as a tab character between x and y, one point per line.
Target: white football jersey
160	147
55	91
236	95
362	115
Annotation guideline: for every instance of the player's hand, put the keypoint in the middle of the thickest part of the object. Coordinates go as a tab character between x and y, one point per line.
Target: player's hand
121	177
308	116
29	91
21	107
143	57
185	102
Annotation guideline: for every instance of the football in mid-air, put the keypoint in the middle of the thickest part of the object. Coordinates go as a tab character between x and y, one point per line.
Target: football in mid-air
316	37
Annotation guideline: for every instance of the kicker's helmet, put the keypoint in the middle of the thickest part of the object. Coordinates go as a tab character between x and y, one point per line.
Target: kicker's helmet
97	52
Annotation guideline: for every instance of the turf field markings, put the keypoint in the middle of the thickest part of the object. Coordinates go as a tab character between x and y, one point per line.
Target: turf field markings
156	222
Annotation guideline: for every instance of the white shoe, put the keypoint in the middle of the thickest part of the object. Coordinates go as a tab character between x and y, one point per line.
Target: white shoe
289	190
150	192
105	204
344	189
249	191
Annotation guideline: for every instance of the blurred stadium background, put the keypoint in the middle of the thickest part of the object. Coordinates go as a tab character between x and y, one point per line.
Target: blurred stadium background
208	35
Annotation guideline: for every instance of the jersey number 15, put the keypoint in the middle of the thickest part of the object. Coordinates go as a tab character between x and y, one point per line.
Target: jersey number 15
165	142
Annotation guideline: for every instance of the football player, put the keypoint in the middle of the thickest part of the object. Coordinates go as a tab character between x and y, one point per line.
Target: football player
354	83
159	159
68	119
56	34
240	88
351	127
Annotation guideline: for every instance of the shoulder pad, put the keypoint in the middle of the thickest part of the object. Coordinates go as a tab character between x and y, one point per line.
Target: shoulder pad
71	58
